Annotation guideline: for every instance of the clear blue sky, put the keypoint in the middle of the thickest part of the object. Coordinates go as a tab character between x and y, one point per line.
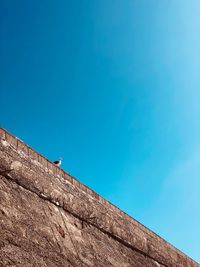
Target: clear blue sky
112	86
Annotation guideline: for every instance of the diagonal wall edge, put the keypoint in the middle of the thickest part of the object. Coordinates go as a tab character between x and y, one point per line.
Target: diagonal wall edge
25	167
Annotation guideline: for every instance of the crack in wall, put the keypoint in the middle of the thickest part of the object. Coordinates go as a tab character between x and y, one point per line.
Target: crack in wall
83	220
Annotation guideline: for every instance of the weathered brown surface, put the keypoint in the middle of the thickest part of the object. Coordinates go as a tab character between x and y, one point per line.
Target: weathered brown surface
47	218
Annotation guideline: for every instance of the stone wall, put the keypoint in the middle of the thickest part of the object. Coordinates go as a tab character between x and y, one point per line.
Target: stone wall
48	218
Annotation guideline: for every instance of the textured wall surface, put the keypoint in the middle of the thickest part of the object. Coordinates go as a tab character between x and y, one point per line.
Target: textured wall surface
48	218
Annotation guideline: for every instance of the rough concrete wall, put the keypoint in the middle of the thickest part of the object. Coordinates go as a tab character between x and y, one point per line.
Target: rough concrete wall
47	218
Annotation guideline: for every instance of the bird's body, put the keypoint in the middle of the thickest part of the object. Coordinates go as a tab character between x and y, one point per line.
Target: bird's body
58	162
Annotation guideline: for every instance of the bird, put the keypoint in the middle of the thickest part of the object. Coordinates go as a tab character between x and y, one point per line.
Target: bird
58	162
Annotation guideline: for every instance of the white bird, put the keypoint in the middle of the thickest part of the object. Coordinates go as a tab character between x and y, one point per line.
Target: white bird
58	162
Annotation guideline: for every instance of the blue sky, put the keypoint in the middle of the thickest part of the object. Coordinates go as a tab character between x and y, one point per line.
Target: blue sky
114	88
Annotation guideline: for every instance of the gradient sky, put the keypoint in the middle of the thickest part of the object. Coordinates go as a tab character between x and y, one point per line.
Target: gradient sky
112	86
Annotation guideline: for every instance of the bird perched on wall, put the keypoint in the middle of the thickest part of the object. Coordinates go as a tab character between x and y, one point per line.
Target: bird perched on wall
58	162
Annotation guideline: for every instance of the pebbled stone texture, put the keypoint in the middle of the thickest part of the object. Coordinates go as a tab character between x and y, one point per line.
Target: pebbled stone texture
48	218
